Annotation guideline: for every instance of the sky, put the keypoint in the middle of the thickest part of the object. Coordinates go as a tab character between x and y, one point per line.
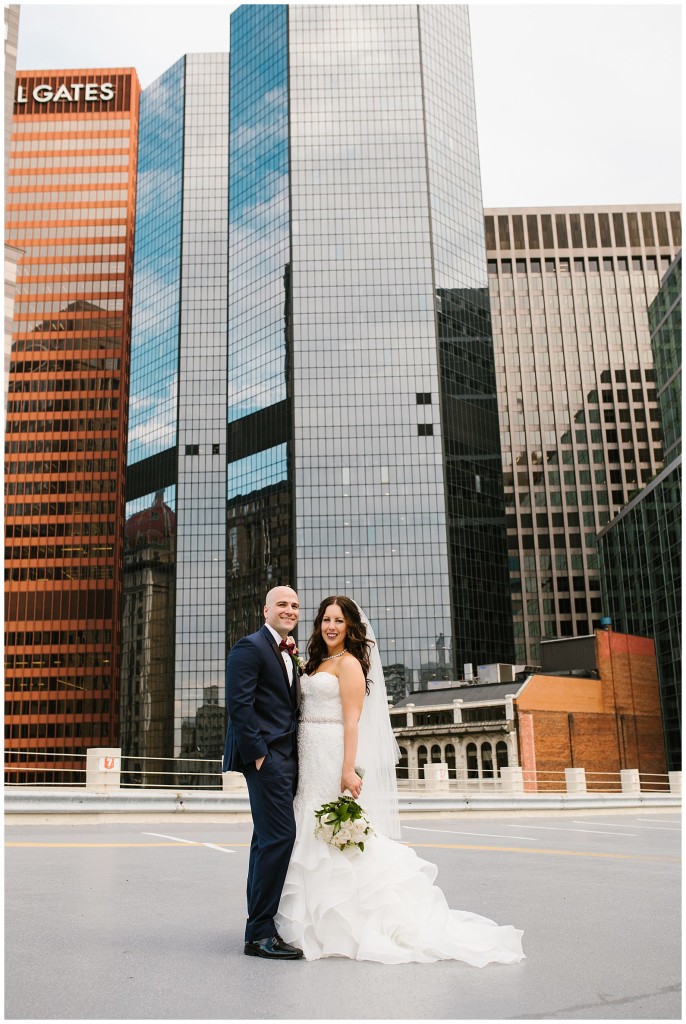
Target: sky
576	103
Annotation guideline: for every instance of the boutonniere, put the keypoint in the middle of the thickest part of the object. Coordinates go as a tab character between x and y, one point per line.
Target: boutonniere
293	651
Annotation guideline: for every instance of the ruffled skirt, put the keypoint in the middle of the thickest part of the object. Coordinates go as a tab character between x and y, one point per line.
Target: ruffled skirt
380	905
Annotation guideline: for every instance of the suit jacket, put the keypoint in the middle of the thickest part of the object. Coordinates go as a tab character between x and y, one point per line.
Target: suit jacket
262	706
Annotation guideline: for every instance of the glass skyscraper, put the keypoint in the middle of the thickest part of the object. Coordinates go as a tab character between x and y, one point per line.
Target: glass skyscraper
363	442
640	550
579	413
173	624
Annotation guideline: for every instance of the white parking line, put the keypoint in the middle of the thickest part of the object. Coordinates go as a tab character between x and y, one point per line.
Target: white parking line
676	827
175	838
552	828
191	842
659	828
490	835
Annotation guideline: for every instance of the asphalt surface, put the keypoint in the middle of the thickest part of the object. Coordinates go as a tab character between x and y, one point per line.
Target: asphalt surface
145	921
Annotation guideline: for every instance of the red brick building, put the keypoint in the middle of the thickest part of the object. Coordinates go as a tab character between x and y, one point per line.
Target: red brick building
602	724
595	705
70	196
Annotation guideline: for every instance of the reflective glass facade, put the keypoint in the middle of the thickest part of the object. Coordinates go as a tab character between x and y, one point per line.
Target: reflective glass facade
70	210
157	268
665	331
260	550
175	554
360	352
640	551
579	414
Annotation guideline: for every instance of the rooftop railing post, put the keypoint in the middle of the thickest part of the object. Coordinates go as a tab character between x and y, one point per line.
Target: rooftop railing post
233	781
575	780
436	776
512	780
103	768
631	780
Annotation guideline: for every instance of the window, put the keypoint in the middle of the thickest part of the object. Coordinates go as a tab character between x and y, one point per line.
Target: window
472	761
425	429
402	770
423	398
487	760
422	758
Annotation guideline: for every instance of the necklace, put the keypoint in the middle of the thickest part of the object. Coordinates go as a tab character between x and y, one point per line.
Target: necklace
335	656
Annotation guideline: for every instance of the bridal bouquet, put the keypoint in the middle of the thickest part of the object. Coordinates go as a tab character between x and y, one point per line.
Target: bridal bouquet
343	823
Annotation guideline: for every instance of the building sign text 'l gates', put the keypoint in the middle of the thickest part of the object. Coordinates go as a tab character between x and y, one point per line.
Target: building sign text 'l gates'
72	93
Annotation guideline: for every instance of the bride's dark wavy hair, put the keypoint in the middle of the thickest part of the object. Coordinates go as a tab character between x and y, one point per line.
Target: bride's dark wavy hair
355	640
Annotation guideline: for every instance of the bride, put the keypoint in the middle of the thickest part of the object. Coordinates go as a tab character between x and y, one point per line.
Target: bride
379	904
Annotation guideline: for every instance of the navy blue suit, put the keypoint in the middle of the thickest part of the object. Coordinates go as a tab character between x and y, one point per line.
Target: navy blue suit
262	710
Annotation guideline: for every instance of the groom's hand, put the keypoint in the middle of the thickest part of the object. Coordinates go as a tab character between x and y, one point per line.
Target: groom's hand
258	762
351	781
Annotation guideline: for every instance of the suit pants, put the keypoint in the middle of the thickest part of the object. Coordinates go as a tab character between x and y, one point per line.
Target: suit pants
271	791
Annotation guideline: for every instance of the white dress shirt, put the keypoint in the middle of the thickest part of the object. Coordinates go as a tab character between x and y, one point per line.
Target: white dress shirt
287	660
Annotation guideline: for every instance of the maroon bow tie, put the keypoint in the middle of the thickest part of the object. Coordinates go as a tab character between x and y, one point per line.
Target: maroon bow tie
285	646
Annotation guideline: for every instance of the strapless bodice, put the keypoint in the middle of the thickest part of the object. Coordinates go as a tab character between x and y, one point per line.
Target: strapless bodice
321	699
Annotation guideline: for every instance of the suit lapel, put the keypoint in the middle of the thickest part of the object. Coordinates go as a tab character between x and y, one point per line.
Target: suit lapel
275	647
295	688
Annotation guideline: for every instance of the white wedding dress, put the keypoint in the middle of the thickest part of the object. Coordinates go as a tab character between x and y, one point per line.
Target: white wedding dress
379	904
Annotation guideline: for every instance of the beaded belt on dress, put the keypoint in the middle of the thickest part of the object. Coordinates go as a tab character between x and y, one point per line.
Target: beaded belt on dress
319	721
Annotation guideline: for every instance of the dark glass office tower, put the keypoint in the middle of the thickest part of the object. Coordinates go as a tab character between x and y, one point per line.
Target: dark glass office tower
174	555
363	440
640	550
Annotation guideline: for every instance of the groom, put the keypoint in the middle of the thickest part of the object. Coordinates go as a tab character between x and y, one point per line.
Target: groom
262	698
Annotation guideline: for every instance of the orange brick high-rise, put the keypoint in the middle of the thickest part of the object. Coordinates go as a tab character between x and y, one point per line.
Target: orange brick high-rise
70	207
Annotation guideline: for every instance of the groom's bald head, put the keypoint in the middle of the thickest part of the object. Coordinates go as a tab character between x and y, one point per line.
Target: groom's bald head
282	610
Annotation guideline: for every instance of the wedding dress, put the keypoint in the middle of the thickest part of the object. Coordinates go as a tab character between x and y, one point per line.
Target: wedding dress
379	904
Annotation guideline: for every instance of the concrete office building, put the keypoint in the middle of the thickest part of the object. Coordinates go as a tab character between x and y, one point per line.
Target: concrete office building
640	550
174	558
579	413
363	440
70	203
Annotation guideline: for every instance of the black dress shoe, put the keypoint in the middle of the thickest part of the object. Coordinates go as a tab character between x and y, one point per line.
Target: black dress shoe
272	948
